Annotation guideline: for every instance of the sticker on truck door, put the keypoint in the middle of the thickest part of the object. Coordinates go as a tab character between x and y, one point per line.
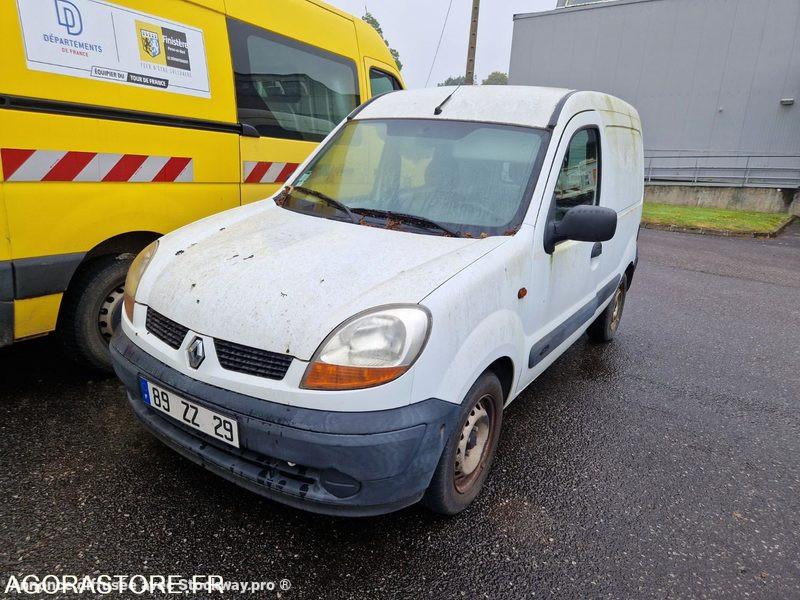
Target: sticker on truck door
98	40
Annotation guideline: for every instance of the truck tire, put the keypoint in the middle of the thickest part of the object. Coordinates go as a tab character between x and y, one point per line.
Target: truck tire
91	309
606	324
460	474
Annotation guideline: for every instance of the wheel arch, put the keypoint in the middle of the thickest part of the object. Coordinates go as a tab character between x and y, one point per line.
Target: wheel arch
629	275
503	368
131	242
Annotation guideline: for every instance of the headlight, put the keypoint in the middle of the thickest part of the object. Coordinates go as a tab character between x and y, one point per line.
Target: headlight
369	349
135	272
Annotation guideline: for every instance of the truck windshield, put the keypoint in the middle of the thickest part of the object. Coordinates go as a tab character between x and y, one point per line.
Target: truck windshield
437	177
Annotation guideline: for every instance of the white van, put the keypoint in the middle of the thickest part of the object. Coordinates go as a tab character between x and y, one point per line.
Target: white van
348	345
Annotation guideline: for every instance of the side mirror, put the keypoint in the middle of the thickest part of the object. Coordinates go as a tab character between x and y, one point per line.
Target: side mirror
582	224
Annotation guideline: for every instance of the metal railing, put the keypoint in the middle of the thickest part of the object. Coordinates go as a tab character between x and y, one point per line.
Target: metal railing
757	170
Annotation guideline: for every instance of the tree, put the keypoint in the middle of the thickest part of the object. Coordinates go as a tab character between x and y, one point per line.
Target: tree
371	20
496	78
457	80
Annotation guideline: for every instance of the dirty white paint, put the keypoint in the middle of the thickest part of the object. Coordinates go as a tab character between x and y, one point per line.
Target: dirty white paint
266	277
279	278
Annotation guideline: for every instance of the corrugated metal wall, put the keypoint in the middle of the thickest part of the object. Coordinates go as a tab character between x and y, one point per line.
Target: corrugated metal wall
707	77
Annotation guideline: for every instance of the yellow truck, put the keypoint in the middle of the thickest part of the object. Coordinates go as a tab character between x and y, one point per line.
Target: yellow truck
120	121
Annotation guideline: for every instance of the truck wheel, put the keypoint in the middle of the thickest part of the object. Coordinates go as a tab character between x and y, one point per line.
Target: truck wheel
91	310
468	454
605	325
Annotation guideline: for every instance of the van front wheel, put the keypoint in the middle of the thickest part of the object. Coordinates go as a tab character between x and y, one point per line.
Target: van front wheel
91	310
469	451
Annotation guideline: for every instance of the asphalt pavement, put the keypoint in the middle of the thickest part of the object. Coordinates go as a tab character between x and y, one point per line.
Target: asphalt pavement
664	465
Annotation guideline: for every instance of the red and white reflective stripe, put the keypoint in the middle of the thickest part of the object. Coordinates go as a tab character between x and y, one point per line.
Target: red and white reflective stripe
62	165
268	172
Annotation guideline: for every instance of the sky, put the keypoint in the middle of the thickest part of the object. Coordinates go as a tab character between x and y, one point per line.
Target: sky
413	28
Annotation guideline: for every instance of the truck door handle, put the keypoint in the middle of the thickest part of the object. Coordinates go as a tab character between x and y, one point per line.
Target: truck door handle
597	250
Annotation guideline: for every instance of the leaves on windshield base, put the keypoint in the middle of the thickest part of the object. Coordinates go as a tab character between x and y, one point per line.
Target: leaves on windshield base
395	219
363	221
482	235
282	198
393	223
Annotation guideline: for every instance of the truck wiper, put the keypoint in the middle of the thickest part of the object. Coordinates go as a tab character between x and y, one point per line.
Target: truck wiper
326	199
406	218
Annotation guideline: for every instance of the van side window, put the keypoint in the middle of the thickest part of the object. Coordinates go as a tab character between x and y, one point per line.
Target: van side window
381	82
286	89
578	181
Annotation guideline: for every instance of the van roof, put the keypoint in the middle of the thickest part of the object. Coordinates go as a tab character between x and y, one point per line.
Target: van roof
515	105
507	104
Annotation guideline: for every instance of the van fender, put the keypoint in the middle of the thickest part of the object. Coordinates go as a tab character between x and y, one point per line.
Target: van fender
498	335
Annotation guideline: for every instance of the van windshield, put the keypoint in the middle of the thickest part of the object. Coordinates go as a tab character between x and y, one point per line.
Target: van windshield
451	177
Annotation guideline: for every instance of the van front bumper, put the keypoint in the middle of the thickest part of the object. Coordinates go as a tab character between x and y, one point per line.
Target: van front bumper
342	463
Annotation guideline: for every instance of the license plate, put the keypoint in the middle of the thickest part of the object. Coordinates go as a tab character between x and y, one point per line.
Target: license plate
214	424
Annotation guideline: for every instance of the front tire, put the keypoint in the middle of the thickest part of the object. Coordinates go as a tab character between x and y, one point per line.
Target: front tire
468	453
91	309
605	326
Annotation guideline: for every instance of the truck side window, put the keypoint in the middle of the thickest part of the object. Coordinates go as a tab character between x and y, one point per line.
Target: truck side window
578	181
286	89
381	82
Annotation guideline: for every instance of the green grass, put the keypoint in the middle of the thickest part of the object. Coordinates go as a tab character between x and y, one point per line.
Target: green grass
695	217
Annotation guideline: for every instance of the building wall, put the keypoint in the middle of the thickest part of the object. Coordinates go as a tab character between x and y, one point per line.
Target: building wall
707	77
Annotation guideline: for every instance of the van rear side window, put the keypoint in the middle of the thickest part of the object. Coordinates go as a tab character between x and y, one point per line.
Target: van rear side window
289	90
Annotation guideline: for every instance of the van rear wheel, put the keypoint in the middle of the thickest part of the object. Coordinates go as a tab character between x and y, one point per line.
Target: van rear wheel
605	326
468	453
91	310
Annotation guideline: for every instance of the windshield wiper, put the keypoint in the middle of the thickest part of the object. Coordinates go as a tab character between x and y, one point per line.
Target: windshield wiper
326	199
406	218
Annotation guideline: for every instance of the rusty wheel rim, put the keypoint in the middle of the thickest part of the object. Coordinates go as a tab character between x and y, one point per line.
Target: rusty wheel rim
475	442
616	314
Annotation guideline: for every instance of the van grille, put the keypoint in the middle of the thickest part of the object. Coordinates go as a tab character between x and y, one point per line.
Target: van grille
252	361
167	330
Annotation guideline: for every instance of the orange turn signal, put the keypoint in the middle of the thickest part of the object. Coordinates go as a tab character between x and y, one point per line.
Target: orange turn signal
322	376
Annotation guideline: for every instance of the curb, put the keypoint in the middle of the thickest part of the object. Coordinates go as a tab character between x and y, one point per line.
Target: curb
720	232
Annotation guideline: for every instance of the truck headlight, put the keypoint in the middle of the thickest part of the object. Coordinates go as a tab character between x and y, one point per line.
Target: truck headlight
135	272
369	349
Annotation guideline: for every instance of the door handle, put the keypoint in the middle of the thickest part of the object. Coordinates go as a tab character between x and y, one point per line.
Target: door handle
597	250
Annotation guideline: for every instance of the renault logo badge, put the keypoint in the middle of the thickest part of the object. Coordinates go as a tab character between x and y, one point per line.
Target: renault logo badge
196	352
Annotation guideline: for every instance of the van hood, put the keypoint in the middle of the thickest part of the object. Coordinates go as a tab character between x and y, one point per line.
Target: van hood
282	281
